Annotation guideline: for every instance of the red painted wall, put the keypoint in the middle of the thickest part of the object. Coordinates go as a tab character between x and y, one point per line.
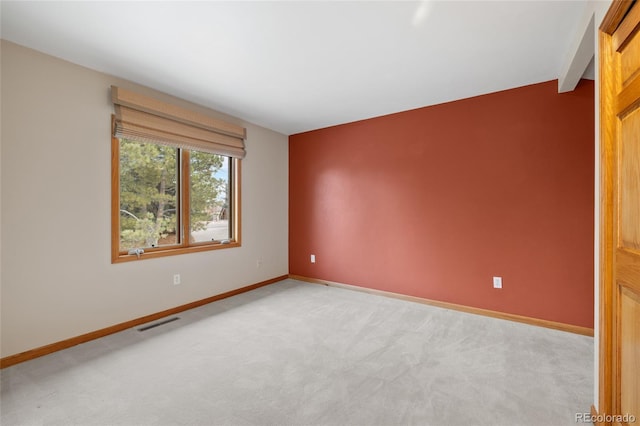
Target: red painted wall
434	202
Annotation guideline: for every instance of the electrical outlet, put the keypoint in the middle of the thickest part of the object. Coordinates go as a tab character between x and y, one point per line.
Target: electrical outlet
259	263
313	258
497	282
176	279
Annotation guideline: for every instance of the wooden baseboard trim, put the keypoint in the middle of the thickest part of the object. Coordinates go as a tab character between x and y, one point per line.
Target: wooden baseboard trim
468	309
64	344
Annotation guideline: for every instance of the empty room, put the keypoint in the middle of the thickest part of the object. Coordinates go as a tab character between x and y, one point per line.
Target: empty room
320	213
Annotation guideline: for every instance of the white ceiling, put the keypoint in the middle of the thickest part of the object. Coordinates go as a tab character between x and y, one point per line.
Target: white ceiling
294	66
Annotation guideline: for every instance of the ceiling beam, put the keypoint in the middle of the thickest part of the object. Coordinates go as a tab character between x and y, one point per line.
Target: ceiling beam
581	52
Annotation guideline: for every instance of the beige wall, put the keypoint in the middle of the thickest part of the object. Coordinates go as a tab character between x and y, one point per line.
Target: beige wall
57	280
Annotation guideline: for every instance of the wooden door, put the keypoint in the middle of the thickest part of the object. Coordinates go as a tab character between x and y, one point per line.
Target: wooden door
619	378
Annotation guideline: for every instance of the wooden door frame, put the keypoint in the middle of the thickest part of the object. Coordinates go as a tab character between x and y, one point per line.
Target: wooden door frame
608	99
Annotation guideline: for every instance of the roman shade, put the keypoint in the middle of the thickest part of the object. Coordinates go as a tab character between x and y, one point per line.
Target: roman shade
147	119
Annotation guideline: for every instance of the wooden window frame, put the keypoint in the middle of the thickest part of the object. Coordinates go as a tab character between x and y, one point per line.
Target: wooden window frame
184	246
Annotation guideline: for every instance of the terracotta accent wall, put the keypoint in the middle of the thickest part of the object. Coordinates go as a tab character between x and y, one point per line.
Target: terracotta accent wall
434	202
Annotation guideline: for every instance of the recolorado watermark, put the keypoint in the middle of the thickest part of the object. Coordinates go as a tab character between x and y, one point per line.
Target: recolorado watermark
604	418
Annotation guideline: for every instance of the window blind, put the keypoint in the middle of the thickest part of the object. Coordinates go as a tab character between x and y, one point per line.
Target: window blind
147	119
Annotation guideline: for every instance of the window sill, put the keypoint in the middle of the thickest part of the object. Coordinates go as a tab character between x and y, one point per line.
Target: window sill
155	253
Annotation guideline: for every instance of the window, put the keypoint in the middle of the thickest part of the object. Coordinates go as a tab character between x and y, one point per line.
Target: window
171	195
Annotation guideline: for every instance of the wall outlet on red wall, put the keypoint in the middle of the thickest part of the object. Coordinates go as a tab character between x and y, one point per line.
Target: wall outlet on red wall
497	282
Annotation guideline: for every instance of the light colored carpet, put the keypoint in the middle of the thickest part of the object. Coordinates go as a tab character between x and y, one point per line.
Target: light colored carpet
302	354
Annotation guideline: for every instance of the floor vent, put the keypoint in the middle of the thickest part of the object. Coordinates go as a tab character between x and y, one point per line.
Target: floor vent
158	324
